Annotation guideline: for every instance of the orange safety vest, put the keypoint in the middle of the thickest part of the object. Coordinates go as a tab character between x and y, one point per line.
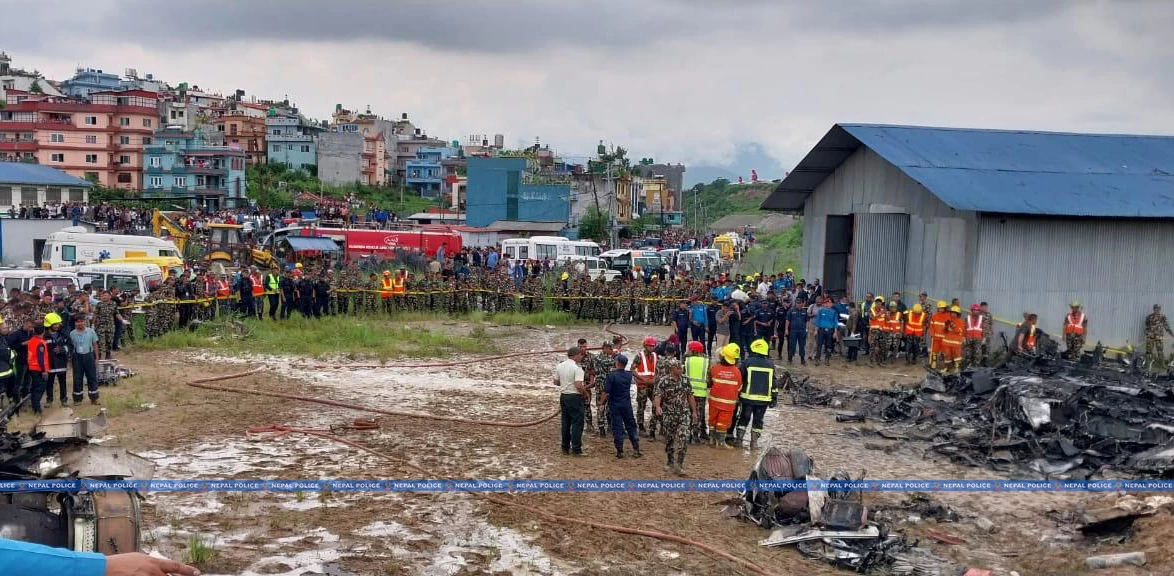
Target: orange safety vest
727	383
398	286
1074	324
1029	339
222	288
258	288
876	319
385	282
893	323
974	329
914	323
38	351
645	367
937	325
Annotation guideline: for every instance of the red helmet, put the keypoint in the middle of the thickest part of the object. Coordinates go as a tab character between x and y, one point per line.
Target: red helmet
650	341
696	346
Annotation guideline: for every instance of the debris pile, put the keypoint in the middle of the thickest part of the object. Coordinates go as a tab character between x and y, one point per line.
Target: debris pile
1057	418
831	526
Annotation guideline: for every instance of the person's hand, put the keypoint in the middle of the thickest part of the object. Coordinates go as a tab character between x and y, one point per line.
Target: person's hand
137	564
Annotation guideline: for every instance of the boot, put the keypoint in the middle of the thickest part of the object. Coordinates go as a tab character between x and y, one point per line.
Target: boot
754	439
738	438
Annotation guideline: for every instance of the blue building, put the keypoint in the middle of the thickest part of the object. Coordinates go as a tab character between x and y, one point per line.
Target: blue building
496	192
292	139
86	81
180	165
425	174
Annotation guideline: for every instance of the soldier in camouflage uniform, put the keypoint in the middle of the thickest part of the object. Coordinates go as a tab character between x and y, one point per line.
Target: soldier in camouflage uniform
600	365
1155	324
105	315
673	401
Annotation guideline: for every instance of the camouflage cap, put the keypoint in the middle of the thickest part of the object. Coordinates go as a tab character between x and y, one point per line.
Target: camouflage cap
670	363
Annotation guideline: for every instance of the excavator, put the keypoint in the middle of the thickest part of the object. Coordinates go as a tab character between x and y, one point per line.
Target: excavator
225	243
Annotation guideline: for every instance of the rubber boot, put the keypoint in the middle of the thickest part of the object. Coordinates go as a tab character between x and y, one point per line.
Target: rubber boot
738	438
754	439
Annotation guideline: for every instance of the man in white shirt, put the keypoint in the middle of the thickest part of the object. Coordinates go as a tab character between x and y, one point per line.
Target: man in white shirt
568	376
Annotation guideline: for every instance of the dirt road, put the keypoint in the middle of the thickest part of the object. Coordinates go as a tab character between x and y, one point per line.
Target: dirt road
193	434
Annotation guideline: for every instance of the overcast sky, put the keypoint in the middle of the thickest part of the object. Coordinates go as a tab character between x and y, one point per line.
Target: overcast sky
693	81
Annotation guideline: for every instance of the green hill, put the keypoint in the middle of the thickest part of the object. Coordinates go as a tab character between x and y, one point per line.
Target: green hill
704	204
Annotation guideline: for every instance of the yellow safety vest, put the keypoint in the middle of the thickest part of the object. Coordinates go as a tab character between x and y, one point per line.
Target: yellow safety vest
696	368
11	363
759	382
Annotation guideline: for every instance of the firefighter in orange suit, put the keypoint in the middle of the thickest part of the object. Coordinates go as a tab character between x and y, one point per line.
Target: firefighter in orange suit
974	337
952	341
915	326
937	333
725	383
399	289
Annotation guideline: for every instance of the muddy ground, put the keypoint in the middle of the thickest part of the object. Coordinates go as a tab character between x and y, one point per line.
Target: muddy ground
198	434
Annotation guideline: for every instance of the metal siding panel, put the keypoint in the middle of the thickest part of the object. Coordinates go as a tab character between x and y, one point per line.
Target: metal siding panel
1119	270
914	256
880	250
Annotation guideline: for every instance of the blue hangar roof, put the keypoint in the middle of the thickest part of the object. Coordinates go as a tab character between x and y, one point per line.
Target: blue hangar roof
37	175
1005	171
312	243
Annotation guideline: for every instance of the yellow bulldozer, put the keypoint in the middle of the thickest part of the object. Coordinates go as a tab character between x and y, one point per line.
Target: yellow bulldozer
225	243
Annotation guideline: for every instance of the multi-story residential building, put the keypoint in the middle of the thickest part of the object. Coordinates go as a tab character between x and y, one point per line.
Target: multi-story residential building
242	129
674	175
426	172
292	139
101	141
346	156
181	164
406	150
86	81
12	78
180	113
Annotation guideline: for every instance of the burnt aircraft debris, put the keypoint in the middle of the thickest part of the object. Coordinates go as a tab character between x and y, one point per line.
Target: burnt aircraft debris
1037	416
60	447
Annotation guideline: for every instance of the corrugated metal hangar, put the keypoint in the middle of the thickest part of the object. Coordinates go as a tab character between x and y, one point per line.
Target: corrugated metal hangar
1027	221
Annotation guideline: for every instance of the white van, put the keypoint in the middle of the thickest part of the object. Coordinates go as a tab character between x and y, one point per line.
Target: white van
128	277
536	248
74	245
594	267
585	248
57	282
624	260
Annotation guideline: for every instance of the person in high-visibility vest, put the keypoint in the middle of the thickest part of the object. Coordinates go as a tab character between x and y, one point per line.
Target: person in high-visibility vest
893	323
937	333
952	342
758	392
915	326
273	291
399	289
1075	328
697	370
386	287
643	368
1028	334
223	294
725	384
876	326
975	332
258	292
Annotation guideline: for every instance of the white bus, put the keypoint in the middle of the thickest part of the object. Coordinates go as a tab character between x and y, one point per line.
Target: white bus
585	248
57	282
536	248
74	245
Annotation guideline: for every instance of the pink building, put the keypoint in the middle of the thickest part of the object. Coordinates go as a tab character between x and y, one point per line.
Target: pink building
101	141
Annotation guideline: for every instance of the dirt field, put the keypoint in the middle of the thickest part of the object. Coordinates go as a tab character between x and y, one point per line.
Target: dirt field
197	434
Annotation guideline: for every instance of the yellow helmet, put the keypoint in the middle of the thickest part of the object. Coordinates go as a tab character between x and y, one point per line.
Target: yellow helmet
564	276
942	304
1075	304
790	270
731	352
760	347
879	299
52	318
917	308
956	309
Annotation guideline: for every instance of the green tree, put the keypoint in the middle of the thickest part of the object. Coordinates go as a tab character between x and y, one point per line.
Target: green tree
36	87
593	225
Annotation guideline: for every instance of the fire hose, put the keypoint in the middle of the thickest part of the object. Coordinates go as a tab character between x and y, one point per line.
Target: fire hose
204	383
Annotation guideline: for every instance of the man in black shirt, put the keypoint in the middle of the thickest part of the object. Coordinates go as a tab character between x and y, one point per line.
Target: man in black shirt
288	294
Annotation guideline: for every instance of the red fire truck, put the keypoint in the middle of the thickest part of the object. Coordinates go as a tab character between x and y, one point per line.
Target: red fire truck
360	242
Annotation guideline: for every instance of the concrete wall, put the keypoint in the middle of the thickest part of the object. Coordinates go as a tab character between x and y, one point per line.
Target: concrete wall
340	157
19	237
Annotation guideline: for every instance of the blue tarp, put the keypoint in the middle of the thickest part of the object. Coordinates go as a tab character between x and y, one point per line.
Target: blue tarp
314	243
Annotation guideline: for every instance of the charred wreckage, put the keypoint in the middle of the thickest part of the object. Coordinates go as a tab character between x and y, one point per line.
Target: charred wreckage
61	447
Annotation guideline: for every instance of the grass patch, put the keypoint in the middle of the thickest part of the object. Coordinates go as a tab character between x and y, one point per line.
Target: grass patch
774	253
545	317
200	551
